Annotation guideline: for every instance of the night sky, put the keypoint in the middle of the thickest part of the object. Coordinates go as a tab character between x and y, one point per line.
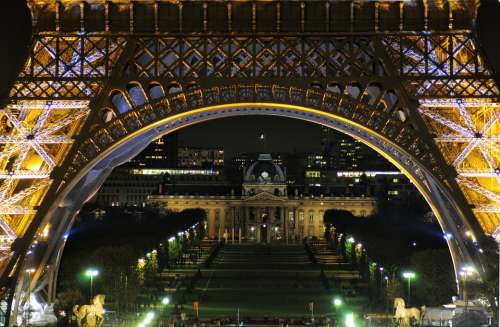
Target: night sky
234	134
242	134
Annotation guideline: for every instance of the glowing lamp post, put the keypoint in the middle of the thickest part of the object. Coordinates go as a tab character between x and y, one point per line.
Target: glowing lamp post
165	301
409	275
91	273
337	302
349	320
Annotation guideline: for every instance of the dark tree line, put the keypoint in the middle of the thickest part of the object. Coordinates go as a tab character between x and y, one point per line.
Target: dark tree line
113	243
400	237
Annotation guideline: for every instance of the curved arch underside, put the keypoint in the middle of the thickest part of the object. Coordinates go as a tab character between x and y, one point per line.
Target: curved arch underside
428	101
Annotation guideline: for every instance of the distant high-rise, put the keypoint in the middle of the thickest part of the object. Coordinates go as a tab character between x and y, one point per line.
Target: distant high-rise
209	158
161	153
341	152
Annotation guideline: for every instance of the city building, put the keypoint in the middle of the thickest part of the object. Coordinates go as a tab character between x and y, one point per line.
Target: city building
265	210
243	160
160	164
161	153
130	186
341	152
189	157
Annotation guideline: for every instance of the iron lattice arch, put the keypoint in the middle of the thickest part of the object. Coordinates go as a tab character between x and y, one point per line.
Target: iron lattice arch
101	72
138	106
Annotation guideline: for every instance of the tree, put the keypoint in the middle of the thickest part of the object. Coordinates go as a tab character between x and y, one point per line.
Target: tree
394	286
487	290
67	299
435	283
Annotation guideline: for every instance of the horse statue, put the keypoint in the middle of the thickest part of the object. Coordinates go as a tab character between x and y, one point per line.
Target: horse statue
405	317
90	315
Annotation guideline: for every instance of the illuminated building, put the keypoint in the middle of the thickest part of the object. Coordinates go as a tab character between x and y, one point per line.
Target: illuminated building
190	157
128	186
161	153
264	210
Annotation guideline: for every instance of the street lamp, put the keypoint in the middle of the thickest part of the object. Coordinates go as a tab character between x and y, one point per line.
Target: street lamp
409	275
337	302
91	273
149	317
165	301
349	320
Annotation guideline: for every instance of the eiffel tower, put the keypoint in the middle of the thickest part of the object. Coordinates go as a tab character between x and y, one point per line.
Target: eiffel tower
105	78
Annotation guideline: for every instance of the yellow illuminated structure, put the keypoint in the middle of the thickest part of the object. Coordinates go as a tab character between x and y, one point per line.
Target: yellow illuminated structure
105	78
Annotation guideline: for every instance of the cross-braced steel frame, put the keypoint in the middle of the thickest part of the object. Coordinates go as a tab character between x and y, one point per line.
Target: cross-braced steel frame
406	78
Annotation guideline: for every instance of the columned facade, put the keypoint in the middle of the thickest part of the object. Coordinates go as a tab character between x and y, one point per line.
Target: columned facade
264	212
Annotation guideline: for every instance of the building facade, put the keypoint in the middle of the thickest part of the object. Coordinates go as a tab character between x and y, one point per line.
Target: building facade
161	153
130	186
189	157
264	211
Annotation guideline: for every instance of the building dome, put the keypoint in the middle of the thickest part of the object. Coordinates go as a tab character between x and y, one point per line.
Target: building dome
264	171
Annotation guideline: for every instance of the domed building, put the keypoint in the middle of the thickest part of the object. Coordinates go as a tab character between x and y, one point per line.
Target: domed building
264	211
264	176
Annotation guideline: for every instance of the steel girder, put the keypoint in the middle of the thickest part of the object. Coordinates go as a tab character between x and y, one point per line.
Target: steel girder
101	66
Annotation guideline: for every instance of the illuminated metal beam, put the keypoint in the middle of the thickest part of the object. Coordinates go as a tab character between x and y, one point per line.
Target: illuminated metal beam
465	115
7	153
44	104
461	139
8	183
70	119
446	122
16	210
24	174
451	102
478	173
40	140
479	189
488	208
30	138
470	135
466	151
42	153
7	230
24	193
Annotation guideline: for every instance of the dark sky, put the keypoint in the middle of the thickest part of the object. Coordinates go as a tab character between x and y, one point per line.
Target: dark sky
236	133
242	134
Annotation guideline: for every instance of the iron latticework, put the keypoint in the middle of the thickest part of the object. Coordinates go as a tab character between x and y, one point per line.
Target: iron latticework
408	78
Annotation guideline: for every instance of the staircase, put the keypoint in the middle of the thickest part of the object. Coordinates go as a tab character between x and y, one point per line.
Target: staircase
267	257
336	268
196	255
326	256
259	280
262	279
